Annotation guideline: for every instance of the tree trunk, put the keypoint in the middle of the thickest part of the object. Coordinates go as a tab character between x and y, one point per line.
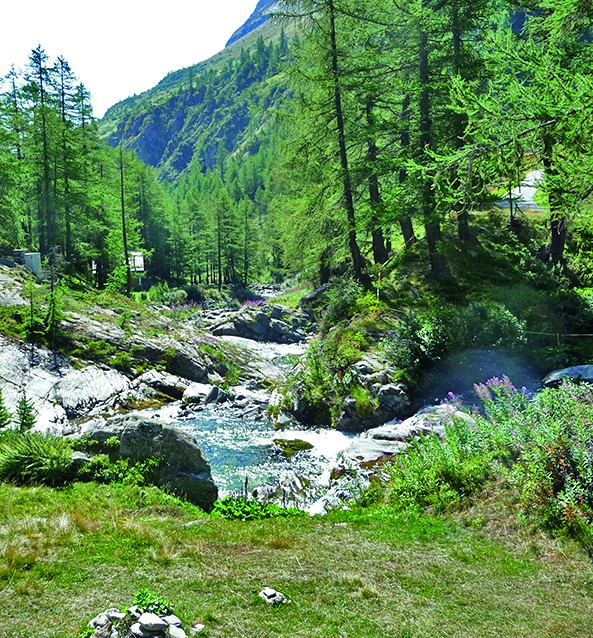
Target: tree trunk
379	251
438	264
123	223
405	221
557	221
357	260
459	124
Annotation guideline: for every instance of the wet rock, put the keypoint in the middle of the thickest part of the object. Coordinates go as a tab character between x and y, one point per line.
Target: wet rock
184	469
289	491
390	401
367	452
57	391
165	383
572	373
259	327
290	447
196	393
378	444
216	395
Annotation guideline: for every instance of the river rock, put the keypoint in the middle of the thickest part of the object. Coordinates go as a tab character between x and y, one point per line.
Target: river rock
197	392
573	373
378	444
259	327
58	391
185	470
165	383
391	401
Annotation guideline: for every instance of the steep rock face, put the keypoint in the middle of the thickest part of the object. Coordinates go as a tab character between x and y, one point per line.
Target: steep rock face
57	391
255	20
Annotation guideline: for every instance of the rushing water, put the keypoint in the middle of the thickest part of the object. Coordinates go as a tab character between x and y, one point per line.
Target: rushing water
240	448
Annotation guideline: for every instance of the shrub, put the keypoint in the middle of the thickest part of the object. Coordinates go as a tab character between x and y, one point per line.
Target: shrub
5	415
245	509
431	335
103	470
25	414
437	472
150	602
35	458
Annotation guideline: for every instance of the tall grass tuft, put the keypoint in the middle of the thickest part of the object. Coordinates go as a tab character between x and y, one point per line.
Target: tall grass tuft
35	458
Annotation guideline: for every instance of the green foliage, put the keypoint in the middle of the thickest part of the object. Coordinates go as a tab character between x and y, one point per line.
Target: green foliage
540	445
5	414
245	509
34	458
339	302
25	414
150	602
102	469
441	473
428	336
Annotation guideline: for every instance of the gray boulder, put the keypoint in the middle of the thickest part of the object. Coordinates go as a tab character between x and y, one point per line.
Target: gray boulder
378	444
165	383
573	373
196	392
391	400
259	327
185	470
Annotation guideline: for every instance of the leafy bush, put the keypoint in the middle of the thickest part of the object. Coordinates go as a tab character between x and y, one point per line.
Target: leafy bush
339	303
428	336
437	472
104	470
244	509
542	446
150	602
35	458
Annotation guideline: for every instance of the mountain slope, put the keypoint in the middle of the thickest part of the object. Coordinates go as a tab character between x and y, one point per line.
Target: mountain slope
257	19
194	112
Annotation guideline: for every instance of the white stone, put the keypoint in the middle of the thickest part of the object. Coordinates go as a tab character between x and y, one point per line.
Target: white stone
172	620
196	629
152	622
99	621
176	632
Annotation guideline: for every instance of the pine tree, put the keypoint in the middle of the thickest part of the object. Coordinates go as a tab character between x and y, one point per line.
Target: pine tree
5	415
25	415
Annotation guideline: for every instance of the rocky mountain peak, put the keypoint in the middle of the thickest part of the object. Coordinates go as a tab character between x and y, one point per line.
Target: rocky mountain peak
257	18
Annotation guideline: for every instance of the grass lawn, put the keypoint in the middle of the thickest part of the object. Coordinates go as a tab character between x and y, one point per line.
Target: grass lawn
67	555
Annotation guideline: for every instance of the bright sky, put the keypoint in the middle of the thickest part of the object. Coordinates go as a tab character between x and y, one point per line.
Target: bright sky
119	47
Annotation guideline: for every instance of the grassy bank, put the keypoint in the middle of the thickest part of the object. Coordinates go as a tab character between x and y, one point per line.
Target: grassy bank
68	554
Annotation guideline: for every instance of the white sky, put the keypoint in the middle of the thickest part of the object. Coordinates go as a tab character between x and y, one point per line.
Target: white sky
119	47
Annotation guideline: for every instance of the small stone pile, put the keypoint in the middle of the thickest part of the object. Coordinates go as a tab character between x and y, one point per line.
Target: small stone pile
137	624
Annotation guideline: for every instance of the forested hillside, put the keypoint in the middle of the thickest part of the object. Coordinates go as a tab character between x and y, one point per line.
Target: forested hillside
374	131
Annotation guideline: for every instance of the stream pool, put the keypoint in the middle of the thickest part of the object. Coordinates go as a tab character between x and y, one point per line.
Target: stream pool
240	448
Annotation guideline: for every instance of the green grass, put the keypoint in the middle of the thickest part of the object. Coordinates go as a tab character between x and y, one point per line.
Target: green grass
292	298
68	554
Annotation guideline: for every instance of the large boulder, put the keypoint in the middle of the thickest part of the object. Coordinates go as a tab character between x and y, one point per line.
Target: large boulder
390	401
185	471
378	444
573	373
258	326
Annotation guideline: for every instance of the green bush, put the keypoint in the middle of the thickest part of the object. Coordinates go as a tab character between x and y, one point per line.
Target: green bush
125	471
244	509
431	335
150	602
541	446
440	473
35	458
